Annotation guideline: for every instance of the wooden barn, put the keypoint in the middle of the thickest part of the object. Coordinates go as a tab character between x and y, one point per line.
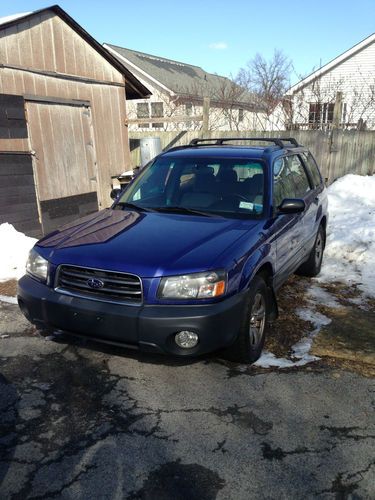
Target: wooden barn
62	120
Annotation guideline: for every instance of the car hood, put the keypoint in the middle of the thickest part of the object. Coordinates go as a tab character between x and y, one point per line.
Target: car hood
148	244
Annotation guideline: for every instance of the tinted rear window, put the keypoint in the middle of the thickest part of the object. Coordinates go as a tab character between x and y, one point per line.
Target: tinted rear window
312	168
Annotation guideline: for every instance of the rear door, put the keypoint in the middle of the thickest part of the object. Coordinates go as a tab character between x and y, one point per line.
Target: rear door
318	199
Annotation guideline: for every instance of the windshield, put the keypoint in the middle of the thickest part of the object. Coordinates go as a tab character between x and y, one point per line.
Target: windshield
205	186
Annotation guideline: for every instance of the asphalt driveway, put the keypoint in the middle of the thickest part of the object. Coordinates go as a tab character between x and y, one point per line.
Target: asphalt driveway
81	421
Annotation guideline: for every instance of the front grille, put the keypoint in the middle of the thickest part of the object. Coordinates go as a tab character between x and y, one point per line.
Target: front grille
105	285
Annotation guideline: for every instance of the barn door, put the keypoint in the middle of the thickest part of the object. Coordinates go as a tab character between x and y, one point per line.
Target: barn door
64	160
18	201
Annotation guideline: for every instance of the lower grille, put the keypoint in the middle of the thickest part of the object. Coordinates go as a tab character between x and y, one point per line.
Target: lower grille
99	284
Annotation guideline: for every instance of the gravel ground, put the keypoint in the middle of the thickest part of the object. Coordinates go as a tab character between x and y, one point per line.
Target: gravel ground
79	421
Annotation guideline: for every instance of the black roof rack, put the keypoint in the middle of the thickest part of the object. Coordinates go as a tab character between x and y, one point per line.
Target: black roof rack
278	141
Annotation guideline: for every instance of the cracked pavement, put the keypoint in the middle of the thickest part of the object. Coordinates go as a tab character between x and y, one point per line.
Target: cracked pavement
80	420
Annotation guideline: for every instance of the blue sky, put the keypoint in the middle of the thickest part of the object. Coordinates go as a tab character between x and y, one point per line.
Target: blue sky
221	36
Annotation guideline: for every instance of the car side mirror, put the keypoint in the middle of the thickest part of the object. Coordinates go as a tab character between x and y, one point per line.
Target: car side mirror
114	193
291	206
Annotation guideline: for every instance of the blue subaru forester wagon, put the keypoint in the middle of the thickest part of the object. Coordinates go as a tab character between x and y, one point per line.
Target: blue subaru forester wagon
189	257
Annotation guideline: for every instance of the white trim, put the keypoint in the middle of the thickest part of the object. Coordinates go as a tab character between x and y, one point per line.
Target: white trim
339	59
137	68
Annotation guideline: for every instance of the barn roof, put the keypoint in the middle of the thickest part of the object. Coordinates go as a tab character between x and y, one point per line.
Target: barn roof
134	88
181	79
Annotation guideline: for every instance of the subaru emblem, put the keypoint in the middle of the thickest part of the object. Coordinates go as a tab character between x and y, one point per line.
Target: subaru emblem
95	283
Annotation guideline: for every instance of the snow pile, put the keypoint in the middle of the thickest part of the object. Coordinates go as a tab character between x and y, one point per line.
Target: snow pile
317	295
300	355
350	250
268	360
14	250
9	300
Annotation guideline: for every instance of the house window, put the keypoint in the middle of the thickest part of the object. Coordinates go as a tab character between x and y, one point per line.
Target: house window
143	112
321	113
328	109
314	113
240	115
157	111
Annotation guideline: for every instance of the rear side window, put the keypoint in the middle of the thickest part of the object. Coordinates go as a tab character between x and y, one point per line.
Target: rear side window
289	179
312	168
300	179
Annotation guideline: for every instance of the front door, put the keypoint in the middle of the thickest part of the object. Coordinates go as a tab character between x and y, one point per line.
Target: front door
289	181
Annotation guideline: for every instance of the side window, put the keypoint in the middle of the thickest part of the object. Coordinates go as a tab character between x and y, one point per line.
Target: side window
312	168
299	176
283	185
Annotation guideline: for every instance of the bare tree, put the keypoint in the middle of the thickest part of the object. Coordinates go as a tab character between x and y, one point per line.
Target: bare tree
268	79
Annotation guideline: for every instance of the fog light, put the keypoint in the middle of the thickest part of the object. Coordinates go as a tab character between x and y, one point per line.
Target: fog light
186	339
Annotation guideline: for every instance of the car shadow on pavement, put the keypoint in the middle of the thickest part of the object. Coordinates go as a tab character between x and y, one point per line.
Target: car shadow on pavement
135	354
8	419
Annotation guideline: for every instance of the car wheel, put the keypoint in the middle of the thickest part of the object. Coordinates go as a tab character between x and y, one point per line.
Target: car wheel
250	341
314	263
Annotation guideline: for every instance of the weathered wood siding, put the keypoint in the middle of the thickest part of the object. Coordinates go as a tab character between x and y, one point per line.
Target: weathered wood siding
60	136
45	57
337	153
13	125
18	203
47	43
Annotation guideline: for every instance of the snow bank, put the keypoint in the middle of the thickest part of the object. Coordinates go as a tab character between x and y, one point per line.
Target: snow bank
14	249
350	250
349	258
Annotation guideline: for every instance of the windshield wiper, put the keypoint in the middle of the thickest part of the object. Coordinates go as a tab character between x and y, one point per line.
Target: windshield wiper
184	210
124	204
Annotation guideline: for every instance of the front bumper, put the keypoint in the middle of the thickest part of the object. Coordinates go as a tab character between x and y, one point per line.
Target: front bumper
146	327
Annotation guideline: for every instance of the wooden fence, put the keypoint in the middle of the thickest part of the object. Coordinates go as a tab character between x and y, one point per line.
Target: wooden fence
338	152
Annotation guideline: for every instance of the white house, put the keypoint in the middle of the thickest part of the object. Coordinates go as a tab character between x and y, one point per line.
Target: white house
178	90
309	104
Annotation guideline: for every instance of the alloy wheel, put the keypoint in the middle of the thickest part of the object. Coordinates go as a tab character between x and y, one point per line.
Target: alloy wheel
257	320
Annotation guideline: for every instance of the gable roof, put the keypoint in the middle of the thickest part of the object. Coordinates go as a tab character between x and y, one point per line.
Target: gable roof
133	87
181	79
332	64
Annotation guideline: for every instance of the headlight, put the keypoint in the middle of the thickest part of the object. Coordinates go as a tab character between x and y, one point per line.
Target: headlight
193	286
36	265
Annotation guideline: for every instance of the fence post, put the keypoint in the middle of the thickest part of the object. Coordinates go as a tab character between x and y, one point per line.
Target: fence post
336	121
206	115
337	111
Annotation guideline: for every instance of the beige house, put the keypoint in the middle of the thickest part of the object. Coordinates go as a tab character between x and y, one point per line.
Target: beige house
63	134
309	104
178	90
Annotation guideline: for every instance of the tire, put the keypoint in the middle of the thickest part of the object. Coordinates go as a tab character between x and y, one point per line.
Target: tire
250	341
314	263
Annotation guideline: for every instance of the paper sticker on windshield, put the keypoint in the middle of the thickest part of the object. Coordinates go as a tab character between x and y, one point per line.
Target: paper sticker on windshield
247	205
